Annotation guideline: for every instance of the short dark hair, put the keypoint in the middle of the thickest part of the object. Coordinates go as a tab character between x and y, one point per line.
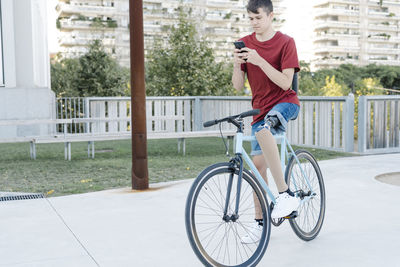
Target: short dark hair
254	5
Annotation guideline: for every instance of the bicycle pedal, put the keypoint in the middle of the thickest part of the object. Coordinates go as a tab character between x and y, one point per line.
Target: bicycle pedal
292	215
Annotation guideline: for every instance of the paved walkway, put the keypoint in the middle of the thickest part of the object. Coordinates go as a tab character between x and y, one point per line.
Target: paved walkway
125	228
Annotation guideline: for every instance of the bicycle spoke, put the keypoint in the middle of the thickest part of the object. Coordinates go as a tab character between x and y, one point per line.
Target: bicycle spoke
309	212
218	186
218	240
216	198
215	201
216	212
208	229
218	245
212	235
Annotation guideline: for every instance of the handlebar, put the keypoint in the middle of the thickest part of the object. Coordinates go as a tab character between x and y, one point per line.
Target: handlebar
232	118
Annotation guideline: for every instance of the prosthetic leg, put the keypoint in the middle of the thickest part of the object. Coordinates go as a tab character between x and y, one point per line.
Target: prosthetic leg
271	154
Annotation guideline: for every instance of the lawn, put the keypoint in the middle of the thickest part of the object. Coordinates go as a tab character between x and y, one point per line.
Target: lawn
50	173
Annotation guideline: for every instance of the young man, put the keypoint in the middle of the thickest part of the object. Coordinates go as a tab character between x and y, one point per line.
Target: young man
269	60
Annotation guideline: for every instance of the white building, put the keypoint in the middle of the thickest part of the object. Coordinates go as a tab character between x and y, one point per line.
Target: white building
81	21
359	32
24	66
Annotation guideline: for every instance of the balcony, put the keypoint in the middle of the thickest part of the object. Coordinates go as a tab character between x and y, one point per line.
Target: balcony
84	41
220	32
74	24
326	12
222	4
383	39
335	36
336	49
385	62
383	51
86	10
336	24
381	16
151	28
382	27
158	16
215	17
324	2
68	24
331	62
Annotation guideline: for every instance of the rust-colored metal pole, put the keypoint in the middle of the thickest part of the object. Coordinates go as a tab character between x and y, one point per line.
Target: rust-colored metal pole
140	174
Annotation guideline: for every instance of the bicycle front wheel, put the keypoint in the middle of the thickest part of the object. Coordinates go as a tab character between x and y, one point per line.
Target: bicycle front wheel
304	177
216	240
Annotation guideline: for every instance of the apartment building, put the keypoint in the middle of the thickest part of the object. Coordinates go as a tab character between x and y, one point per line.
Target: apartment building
358	32
219	21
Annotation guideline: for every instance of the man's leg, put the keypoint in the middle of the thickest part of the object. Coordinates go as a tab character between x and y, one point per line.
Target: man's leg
254	233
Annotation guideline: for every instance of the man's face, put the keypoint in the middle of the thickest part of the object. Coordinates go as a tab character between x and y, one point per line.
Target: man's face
260	22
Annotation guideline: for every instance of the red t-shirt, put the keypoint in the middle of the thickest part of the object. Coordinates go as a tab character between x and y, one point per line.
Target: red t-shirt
280	51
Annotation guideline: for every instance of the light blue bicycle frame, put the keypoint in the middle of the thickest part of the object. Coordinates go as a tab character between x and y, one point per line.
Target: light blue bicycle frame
240	137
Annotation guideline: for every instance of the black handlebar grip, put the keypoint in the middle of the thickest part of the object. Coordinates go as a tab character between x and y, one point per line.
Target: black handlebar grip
210	123
250	113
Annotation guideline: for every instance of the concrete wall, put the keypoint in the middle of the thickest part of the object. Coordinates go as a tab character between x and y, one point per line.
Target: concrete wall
26	93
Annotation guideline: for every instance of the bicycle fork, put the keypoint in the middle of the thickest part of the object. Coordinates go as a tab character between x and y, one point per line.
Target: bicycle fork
233	217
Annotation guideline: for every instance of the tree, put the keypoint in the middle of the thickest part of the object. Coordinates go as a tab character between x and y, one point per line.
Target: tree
100	74
64	77
307	84
332	88
351	78
186	65
367	86
93	74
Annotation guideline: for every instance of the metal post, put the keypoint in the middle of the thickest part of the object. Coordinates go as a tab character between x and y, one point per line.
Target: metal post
66	150
362	124
87	114
140	176
197	114
349	124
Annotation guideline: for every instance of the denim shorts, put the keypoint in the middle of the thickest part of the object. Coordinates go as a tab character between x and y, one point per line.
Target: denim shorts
284	112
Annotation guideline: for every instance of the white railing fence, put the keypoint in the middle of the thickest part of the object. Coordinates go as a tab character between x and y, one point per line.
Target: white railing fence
378	124
325	122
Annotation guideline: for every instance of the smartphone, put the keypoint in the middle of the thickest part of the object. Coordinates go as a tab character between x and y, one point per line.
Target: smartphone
239	45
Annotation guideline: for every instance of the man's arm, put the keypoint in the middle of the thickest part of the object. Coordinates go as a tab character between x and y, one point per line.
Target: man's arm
237	78
238	74
282	79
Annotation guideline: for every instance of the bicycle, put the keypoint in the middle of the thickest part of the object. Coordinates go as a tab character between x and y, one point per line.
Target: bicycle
220	210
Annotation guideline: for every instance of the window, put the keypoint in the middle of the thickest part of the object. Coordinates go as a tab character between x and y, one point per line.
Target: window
1	53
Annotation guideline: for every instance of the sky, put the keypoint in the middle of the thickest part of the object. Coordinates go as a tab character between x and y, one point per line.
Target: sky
297	25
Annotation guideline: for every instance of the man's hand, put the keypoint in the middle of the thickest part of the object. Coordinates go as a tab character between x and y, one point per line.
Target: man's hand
238	58
252	56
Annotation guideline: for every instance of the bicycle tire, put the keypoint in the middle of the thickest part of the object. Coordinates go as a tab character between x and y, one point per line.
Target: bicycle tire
305	211
201	185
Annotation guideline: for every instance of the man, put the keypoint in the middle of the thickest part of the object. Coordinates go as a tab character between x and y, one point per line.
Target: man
269	60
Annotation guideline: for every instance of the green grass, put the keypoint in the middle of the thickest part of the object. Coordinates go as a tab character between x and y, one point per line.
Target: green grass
111	167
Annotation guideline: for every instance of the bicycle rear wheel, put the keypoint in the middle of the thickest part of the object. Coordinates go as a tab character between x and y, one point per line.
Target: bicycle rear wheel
311	212
215	241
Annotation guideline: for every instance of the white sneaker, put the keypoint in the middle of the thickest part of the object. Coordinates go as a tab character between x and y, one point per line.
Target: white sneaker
285	204
253	234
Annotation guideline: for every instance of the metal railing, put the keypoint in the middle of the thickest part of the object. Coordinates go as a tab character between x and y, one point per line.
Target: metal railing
378	124
325	122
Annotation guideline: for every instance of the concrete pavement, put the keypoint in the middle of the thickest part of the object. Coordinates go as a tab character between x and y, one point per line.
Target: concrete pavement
125	228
